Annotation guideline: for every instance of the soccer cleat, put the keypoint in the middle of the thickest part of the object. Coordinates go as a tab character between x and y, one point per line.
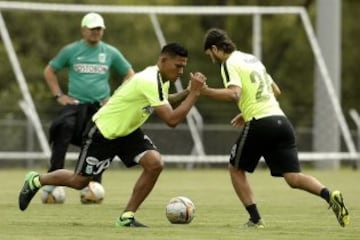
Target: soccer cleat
28	191
128	222
337	205
251	224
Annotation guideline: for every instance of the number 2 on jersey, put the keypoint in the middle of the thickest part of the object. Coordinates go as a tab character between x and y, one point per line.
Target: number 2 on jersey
264	88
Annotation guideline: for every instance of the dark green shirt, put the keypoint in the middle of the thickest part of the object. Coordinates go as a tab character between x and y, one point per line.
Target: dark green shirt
89	69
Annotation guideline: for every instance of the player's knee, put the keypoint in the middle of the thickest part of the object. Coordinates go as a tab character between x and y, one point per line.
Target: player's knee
153	162
156	165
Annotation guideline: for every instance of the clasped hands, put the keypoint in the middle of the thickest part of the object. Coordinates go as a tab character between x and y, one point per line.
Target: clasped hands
197	82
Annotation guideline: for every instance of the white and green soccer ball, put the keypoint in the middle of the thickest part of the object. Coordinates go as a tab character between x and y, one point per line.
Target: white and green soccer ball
93	193
53	194
180	210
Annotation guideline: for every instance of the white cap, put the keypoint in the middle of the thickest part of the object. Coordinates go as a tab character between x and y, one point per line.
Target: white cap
92	20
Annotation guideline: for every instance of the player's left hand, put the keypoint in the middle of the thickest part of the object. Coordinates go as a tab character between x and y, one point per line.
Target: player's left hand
238	121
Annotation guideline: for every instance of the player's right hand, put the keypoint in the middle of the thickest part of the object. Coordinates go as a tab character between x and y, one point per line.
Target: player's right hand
197	81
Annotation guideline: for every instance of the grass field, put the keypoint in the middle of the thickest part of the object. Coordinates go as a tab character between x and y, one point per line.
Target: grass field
289	214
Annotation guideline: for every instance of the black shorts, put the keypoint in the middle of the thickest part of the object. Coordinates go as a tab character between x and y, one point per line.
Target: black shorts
98	152
272	138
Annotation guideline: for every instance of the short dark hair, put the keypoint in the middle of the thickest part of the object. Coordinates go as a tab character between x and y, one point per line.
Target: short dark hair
174	49
220	39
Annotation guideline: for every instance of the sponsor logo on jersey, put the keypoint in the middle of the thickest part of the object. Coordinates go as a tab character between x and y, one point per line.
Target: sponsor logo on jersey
91	68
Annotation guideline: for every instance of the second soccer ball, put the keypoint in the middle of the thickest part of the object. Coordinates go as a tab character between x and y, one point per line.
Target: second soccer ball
53	194
93	193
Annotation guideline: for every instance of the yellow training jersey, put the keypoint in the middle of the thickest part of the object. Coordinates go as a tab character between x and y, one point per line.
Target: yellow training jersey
132	104
257	99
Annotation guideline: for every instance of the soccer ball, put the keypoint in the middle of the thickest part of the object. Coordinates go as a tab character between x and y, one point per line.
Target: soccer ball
180	210
93	193
53	194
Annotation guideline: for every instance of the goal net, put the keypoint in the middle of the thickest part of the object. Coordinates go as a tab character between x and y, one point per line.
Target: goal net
152	19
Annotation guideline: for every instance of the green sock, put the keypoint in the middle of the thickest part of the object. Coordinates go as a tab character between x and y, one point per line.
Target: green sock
127	214
36	182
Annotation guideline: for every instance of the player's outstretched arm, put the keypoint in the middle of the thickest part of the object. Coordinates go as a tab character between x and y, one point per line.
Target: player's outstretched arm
176	98
173	117
230	94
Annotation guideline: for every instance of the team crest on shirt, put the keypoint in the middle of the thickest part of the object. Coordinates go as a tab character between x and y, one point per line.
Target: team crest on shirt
102	57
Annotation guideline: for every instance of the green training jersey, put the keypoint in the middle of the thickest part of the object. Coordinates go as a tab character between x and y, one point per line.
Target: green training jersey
89	69
132	103
257	99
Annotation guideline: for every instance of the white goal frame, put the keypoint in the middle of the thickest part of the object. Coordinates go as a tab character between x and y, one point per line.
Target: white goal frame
194	119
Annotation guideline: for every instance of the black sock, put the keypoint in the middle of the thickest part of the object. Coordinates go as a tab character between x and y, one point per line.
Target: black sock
325	194
253	212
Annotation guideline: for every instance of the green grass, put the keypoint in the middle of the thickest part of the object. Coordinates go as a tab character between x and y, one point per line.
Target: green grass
289	214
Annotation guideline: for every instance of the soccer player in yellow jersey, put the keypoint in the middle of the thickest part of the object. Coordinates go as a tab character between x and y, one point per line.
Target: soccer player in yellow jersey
115	131
266	132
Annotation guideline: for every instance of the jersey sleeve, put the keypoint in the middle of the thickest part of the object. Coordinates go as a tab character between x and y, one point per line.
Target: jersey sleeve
120	64
155	92
61	60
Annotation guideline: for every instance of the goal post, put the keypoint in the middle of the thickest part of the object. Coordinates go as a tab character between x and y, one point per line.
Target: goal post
27	105
194	120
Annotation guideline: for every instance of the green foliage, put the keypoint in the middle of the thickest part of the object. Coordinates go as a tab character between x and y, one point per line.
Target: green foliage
351	53
38	36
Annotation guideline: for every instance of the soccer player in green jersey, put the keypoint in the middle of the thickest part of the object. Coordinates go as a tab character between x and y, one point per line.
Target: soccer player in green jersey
88	62
115	131
266	132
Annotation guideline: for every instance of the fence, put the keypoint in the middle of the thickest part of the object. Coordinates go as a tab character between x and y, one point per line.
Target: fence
175	144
